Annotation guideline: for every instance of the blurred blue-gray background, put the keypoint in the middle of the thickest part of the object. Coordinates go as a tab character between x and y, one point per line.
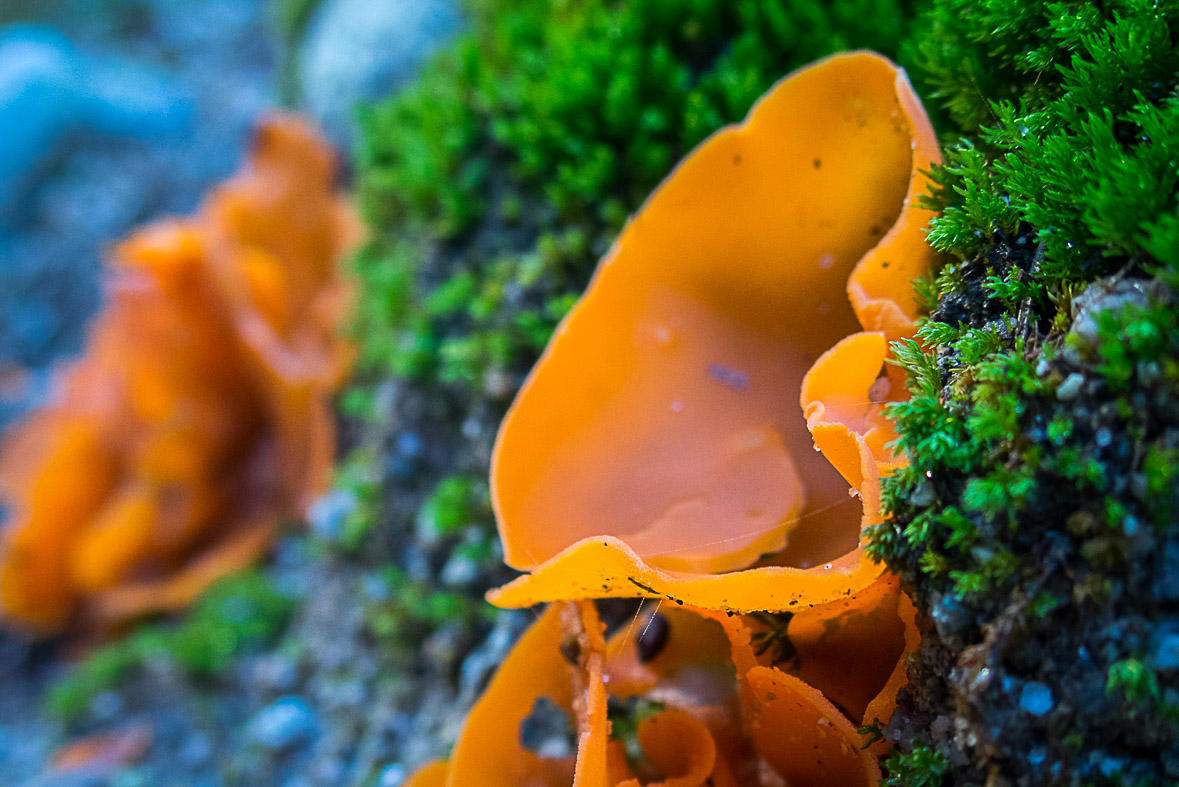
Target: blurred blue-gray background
113	112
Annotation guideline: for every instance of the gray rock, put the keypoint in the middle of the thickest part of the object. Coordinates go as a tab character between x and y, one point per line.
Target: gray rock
285	723
357	50
1100	297
950	617
196	750
327	514
1071	386
392	776
460	571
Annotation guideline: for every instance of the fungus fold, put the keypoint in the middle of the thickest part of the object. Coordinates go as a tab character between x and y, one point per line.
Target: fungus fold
199	412
656	449
721	712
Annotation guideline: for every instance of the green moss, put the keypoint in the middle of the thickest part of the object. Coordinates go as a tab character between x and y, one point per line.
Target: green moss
1073	131
1038	447
456	502
410	610
921	767
358	476
525	145
1134	680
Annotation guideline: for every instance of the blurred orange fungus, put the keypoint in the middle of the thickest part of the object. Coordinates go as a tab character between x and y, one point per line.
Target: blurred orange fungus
691	434
199	413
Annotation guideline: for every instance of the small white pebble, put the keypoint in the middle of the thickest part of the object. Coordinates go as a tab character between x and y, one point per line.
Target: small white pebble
1070	387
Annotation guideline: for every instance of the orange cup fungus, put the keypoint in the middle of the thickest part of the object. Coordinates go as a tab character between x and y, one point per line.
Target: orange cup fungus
718	712
199	412
656	449
656	452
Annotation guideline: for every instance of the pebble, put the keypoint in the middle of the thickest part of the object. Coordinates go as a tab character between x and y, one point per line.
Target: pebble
1071	386
924	495
1109	765
410	444
1165	653
482	662
275	673
286	722
106	706
547	731
460	571
1101	297
48	87
499	384
392	776
1036	699
1166	584
950	618
407	450
196	750
472	428
328	513
361	49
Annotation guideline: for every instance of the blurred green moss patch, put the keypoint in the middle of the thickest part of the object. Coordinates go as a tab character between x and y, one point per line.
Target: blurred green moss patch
495	182
242	613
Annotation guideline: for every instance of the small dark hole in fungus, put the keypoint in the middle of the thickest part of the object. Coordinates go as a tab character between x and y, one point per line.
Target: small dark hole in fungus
570	650
653	638
547	731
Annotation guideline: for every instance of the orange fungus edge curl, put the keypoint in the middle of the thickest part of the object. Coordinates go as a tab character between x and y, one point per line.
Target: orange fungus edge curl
611	566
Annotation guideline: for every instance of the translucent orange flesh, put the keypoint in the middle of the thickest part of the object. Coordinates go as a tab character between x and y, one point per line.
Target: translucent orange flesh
679	746
730	717
656	443
803	736
488	752
200	410
607	567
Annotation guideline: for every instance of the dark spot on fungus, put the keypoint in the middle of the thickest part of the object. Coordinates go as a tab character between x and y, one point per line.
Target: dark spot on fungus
737	159
641	586
818	163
